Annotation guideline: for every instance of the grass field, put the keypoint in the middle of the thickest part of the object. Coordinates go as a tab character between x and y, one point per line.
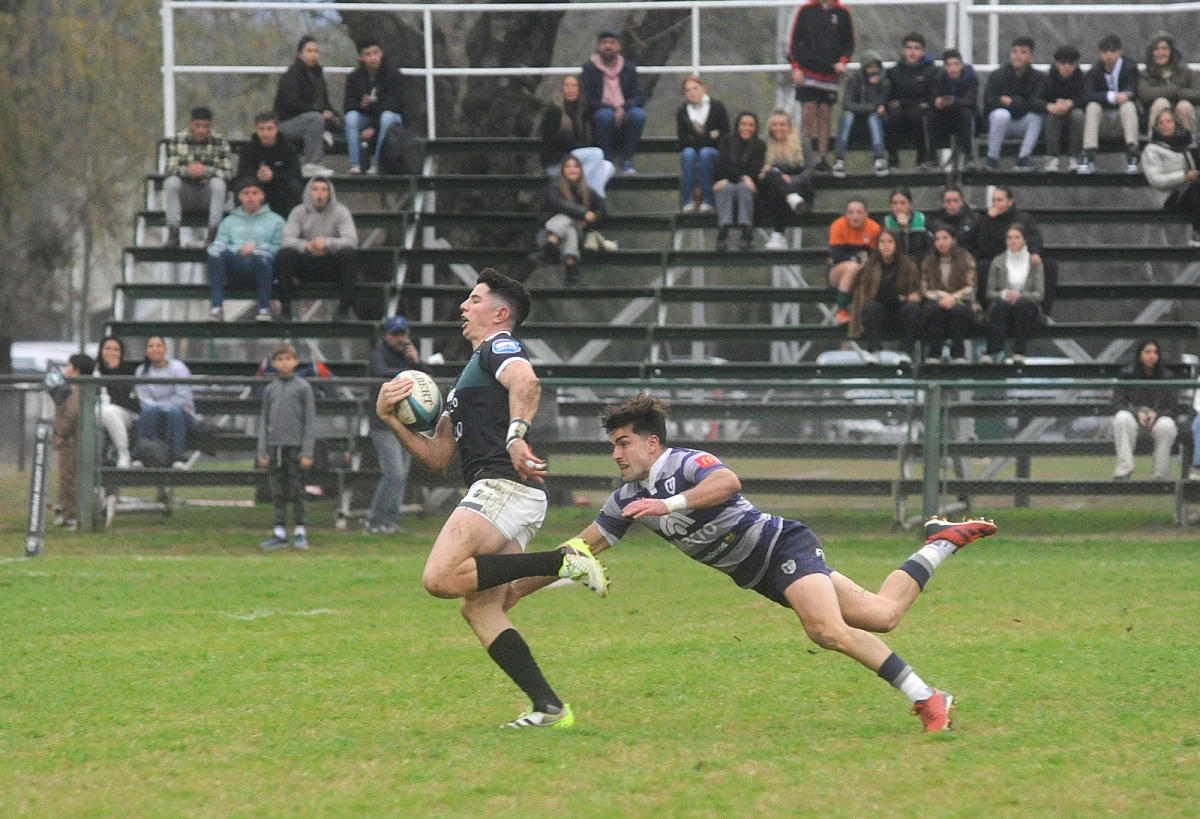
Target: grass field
166	668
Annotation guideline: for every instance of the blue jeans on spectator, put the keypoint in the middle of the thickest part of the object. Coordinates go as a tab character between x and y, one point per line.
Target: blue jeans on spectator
1196	438
846	124
177	418
394	461
604	120
1001	124
693	164
356	121
226	266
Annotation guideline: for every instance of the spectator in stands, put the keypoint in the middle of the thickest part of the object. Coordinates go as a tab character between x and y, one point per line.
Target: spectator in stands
66	442
701	123
1111	93
992	239
273	162
199	169
245	249
320	244
394	354
948	284
1013	104
909	225
1016	287
1063	93
955	95
957	215
614	92
373	101
910	87
784	185
1169	163
118	405
1168	84
739	163
865	100
1145	408
819	50
304	107
852	237
566	128
169	404
570	210
287	436
887	297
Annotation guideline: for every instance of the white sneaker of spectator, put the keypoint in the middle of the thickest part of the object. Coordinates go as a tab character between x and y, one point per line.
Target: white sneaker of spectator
1052	164
314	169
777	241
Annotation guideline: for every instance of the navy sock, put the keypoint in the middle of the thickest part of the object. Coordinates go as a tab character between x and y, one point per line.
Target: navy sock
917	572
496	570
512	654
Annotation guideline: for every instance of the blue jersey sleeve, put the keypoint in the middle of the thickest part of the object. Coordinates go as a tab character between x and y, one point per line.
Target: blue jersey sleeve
612	524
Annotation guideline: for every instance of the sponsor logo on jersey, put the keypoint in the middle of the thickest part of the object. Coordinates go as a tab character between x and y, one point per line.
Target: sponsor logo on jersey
504	346
675	524
705	461
788	567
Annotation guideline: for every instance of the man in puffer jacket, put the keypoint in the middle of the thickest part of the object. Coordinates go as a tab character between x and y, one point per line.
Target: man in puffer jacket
1013	104
320	244
245	249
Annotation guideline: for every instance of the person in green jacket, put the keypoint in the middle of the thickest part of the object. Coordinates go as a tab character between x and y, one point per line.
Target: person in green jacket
245	249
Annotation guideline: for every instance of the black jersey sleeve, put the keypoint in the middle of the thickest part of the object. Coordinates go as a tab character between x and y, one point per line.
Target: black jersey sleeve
495	354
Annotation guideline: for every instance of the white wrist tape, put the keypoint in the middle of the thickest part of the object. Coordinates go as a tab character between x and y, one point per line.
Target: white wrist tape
676	503
517	428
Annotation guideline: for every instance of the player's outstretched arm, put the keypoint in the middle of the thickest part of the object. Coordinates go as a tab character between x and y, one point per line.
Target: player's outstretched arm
528	585
713	490
524	393
435	453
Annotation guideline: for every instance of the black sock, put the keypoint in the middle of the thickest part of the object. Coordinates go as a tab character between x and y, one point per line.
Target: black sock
512	654
496	570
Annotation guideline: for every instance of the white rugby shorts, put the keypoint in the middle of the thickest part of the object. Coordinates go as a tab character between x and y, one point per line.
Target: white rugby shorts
513	508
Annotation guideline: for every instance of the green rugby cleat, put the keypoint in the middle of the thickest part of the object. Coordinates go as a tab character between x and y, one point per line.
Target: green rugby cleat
565	718
580	565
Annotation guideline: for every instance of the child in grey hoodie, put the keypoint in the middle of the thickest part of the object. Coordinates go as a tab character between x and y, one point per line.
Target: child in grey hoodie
287	434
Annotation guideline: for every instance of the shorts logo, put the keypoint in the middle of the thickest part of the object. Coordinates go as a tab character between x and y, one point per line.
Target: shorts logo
788	567
504	346
705	461
820	553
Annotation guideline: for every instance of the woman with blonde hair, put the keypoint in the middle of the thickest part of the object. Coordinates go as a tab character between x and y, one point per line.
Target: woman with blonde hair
566	130
701	122
571	209
785	185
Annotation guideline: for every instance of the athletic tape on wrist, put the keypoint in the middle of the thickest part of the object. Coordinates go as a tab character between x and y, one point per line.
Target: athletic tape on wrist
676	503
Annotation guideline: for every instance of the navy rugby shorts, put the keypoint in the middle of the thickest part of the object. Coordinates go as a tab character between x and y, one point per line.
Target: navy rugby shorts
798	552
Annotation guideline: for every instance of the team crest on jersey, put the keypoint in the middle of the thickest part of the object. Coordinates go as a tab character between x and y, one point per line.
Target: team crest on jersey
705	461
504	346
788	567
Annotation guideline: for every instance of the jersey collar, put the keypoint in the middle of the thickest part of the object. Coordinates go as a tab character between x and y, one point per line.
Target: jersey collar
655	470
493	335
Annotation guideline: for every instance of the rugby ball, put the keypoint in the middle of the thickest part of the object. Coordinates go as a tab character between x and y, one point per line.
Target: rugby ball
421	410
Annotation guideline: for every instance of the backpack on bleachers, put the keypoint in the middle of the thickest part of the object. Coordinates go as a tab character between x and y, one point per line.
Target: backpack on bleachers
402	154
311	371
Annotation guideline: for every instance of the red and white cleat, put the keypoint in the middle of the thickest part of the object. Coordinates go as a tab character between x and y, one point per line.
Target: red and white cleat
935	711
960	534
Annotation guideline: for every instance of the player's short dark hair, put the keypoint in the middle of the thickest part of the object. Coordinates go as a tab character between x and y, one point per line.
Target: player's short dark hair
951	54
1066	54
1110	42
644	414
1023	41
265	116
914	37
510	291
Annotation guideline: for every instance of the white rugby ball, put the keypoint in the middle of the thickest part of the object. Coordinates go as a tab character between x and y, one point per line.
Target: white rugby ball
422	409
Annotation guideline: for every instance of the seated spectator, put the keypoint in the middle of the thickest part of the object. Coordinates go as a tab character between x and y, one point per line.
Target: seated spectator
948	284
784	185
1145	409
566	129
66	442
992	240
119	406
887	297
701	122
1111	93
1014	107
1168	84
273	162
614	92
909	225
1169	163
244	252
865	101
739	163
1063	93
955	95
1015	284
171	404
304	108
852	237
570	210
374	102
320	244
394	354
957	215
819	49
199	169
910	83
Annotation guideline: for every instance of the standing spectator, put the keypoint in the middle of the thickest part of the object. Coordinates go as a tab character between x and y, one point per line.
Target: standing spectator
1063	93
118	405
287	435
1015	285
305	110
992	239
865	99
1013	104
373	101
66	442
1167	83
948	284
908	225
739	163
910	87
785	185
273	161
1145	408
171	404
955	96
245	249
570	210
701	122
819	50
566	128
394	354
320	244
852	237
199	170
1111	92
1170	167
614	92
887	297
957	215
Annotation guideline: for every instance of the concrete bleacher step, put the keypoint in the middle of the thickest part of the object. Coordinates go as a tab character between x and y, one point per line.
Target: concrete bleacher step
366	331
193	255
349	368
304	291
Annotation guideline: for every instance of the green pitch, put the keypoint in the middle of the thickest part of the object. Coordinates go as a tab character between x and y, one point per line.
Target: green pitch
154	671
